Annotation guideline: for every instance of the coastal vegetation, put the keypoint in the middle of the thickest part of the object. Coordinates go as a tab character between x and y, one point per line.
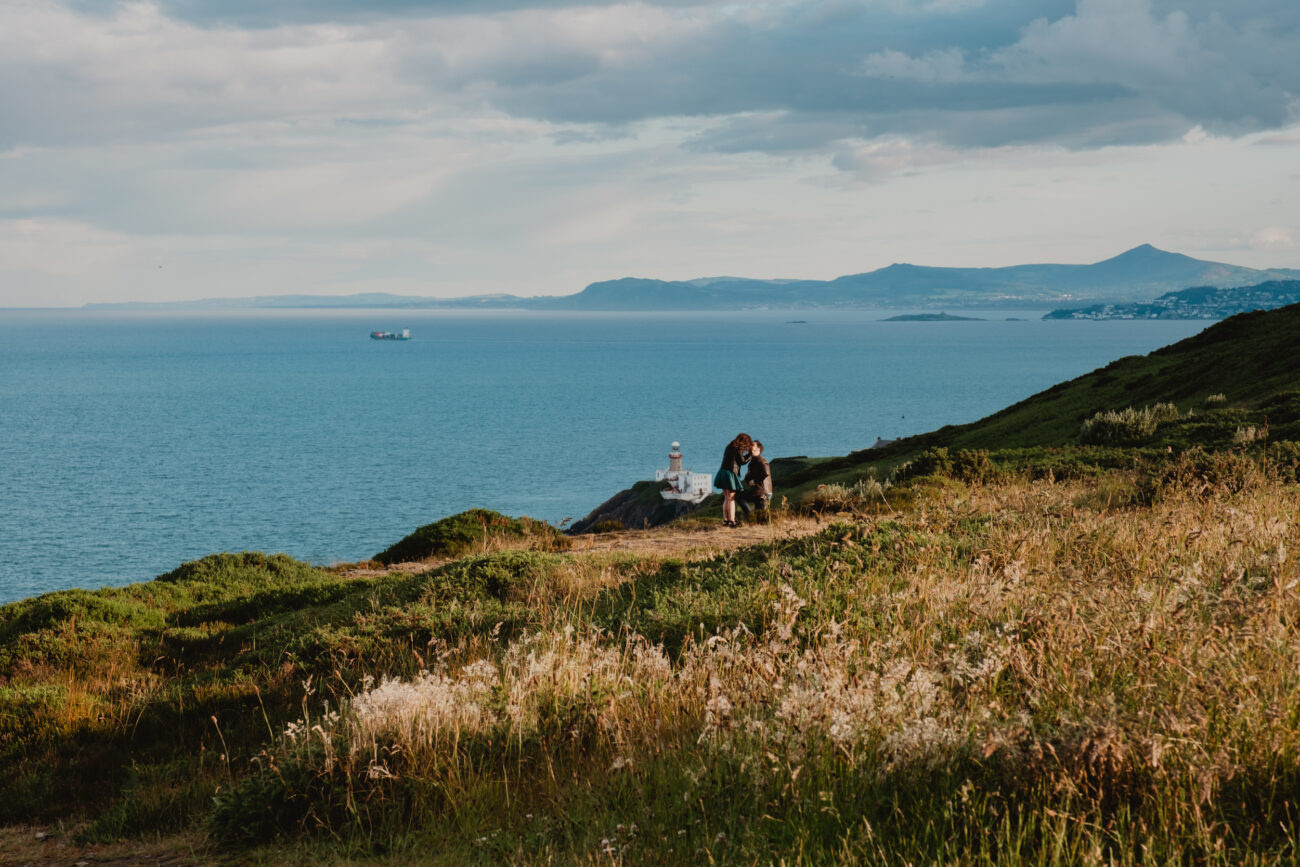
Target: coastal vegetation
474	530
1236	375
1047	650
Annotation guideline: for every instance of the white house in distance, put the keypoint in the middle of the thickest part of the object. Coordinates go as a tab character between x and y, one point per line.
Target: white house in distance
683	484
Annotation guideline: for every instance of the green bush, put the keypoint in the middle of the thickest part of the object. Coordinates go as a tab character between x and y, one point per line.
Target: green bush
1204	474
866	494
931	462
973	465
90	609
28	711
1117	427
238	569
467	531
499	576
967	465
281	799
1284	459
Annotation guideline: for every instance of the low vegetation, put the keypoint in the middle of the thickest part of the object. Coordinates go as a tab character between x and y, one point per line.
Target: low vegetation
1128	425
1079	652
477	530
987	668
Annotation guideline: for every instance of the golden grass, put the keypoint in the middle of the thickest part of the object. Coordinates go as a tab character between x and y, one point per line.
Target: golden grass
1098	656
1118	659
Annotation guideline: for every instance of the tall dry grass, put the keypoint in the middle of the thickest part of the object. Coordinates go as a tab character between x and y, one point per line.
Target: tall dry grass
1006	673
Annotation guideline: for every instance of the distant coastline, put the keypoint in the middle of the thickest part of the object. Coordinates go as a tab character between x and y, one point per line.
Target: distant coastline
1199	302
1138	275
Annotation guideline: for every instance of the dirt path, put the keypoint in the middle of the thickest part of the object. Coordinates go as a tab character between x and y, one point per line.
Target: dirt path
690	541
696	540
23	845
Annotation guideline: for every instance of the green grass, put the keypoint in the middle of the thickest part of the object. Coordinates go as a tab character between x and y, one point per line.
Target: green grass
1005	651
169	697
1247	360
469	531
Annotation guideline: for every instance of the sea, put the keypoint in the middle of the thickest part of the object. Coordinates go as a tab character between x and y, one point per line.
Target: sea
132	441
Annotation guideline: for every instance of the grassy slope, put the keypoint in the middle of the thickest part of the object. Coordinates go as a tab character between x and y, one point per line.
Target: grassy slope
950	679
1250	358
953	683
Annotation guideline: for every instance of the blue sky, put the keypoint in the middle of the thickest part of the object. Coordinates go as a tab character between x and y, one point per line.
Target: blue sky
198	148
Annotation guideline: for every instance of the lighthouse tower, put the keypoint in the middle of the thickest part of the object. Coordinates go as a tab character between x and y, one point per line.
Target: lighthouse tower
683	484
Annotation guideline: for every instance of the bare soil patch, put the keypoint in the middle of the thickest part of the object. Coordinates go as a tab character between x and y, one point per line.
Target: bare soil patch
689	541
24	844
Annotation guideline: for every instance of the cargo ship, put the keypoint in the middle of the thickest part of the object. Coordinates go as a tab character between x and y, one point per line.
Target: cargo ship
404	334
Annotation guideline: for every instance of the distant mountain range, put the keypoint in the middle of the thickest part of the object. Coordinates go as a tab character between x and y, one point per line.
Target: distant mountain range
1138	275
1199	302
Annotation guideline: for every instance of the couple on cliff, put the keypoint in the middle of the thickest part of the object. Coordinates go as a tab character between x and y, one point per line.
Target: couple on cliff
755	489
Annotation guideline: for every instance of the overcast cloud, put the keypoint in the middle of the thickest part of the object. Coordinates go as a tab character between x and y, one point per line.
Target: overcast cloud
445	148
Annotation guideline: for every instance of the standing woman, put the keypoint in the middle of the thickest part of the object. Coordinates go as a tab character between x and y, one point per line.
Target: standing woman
734	457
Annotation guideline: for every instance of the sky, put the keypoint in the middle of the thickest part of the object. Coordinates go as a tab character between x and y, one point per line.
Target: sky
183	149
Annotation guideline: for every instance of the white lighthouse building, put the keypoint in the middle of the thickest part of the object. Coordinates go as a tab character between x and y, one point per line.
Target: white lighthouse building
683	484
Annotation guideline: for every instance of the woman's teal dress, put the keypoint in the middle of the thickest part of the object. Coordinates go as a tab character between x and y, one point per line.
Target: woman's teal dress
728	481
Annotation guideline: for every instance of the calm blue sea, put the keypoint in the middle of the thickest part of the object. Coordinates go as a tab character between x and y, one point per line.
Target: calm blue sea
130	442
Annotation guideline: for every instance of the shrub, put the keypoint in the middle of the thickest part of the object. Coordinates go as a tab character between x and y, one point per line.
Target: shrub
1117	427
973	466
1203	474
829	498
237	569
92	610
28	709
610	526
967	465
1284	459
931	462
1219	399
1249	434
502	575
467	531
864	493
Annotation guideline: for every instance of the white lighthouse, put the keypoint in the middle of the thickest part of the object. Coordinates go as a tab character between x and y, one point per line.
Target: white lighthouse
683	484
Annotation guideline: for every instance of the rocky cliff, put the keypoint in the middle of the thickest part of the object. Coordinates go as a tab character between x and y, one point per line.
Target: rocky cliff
637	507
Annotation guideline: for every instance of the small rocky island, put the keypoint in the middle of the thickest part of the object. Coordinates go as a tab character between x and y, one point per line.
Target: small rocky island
932	317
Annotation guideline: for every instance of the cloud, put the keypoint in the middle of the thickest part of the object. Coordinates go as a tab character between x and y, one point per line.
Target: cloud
451	127
1273	238
264	14
883	157
138	75
1227	78
1098	73
1082	74
59	248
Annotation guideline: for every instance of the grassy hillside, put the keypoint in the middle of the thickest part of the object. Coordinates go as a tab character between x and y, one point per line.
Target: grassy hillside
1238	375
1096	671
1250	359
1050	653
